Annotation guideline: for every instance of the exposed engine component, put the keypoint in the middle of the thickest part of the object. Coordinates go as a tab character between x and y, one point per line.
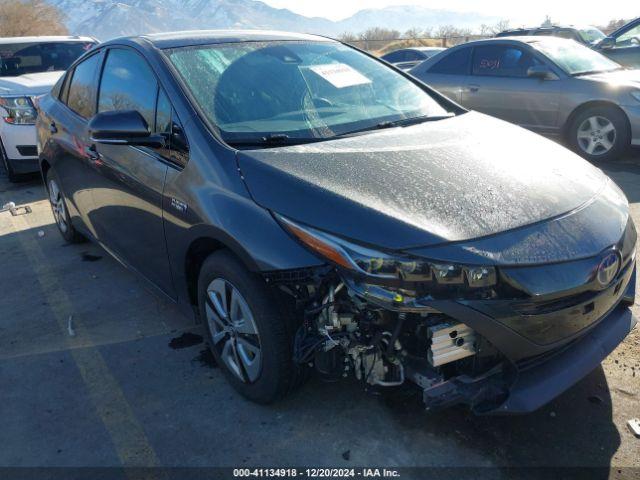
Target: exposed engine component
450	342
348	332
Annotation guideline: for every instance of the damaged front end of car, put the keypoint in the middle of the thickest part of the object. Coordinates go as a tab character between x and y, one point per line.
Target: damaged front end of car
479	335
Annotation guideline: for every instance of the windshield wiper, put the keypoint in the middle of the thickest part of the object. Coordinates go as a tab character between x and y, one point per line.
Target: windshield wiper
271	140
404	122
282	139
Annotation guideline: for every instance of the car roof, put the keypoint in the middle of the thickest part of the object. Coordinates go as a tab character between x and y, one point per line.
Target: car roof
550	28
425	49
528	39
204	37
45	39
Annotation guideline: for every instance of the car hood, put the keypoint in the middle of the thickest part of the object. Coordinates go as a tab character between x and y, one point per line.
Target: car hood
463	178
29	84
620	78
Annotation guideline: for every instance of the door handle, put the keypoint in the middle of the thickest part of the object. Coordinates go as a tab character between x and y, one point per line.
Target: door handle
53	128
474	88
91	153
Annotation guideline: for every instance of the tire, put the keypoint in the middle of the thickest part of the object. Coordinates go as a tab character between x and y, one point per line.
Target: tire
12	176
60	211
599	133
235	350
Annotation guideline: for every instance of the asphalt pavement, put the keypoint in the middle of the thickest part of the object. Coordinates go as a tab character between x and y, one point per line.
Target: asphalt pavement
96	370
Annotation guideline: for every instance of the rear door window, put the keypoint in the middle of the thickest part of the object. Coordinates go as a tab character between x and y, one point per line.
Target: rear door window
128	83
82	87
502	61
456	63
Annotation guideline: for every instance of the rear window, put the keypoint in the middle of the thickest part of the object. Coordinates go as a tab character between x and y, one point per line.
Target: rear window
22	58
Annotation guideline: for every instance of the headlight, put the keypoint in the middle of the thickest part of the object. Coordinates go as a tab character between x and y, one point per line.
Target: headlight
636	94
19	110
375	264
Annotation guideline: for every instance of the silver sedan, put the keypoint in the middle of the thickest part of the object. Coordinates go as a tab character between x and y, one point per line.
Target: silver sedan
550	85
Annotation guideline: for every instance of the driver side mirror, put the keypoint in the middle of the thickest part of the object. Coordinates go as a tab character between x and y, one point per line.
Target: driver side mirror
607	43
543	72
125	127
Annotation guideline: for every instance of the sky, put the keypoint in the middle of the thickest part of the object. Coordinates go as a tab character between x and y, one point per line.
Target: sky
518	11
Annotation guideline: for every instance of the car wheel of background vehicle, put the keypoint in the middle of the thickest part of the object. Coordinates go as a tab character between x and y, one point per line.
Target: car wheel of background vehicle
11	175
600	133
250	332
60	210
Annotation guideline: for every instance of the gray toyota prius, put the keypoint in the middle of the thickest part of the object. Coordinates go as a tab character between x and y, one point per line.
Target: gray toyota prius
320	211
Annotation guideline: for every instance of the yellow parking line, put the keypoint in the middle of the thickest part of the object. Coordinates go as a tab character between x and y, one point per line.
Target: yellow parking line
127	434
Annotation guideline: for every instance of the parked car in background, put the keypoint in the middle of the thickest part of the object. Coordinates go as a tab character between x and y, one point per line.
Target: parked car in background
623	45
298	195
408	58
29	67
587	35
550	85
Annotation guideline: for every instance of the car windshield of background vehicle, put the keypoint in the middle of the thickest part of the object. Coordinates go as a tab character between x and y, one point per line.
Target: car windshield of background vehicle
591	35
297	90
576	59
22	58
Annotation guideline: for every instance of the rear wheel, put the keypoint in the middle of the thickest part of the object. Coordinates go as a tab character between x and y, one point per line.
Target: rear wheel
599	133
60	210
249	333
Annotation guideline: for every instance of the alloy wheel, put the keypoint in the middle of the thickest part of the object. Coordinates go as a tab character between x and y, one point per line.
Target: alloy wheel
58	207
597	135
233	330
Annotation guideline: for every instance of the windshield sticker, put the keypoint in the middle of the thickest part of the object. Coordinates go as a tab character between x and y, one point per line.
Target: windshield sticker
340	75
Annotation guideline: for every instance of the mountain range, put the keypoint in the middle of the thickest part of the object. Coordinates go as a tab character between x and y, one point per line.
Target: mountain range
106	19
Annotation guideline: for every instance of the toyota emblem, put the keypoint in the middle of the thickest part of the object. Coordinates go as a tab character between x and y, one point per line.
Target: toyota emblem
608	269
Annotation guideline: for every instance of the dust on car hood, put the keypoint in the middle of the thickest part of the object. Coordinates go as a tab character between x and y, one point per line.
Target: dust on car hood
616	79
29	84
443	181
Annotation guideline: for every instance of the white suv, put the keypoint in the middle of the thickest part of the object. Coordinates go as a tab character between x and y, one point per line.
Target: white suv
29	67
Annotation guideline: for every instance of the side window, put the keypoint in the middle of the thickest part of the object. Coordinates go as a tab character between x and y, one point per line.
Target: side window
128	83
456	63
179	144
394	57
630	38
502	61
163	122
568	34
57	88
413	56
163	114
82	88
167	124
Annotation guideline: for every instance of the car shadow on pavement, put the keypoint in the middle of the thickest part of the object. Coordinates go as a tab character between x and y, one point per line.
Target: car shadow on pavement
574	430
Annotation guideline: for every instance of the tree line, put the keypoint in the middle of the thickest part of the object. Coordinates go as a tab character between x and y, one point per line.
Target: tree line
37	17
20	18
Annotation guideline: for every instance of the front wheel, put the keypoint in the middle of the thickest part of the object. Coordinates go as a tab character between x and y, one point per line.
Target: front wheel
599	133
249	332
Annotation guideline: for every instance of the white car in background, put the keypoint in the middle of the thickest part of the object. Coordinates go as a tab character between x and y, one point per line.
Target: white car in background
29	67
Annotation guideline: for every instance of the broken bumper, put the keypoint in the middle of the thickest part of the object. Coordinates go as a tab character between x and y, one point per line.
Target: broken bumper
538	385
535	374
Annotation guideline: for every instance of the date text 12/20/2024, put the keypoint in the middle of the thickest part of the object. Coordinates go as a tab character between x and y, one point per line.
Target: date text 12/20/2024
316	472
